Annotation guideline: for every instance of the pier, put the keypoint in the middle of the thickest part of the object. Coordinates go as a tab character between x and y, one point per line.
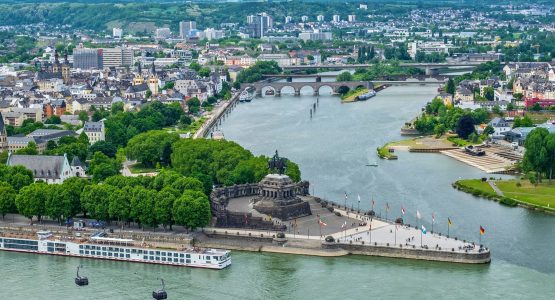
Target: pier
215	119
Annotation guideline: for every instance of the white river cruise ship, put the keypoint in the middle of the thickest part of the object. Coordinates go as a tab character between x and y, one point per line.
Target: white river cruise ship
100	247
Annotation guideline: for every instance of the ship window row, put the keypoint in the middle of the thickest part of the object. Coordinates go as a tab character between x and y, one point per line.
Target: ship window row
21	242
21	247
168	259
107	254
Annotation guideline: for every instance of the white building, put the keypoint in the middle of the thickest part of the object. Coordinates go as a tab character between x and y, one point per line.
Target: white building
48	168
315	36
288	19
352	18
117	57
213	34
336	18
117	33
320	18
428	48
163	33
304	18
95	131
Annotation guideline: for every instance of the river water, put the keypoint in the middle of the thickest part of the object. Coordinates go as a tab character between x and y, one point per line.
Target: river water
332	149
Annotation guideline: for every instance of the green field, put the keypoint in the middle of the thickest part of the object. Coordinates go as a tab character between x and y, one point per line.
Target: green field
514	191
542	195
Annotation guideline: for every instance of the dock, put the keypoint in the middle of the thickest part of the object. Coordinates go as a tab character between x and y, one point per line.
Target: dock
496	161
214	120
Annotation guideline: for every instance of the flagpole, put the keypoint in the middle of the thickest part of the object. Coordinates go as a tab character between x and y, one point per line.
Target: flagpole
370	231
420	238
448	227
395	235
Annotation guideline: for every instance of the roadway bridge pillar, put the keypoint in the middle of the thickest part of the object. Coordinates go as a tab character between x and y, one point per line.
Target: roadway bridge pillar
318	78
289	79
431	71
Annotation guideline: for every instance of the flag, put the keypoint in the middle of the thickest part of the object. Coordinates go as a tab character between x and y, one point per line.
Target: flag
373	204
386	206
358	197
423	229
322	224
449	222
433	218
344	225
402	210
418	216
345	195
482	230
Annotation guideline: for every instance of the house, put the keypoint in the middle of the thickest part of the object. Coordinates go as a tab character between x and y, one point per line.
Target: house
48	168
464	95
500	125
446	98
78	168
95	131
518	134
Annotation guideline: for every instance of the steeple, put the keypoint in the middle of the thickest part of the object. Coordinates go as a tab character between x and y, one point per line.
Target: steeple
56	57
152	69
66	61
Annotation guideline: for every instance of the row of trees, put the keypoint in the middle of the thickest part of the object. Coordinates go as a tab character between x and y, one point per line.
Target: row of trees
217	162
438	119
166	199
255	72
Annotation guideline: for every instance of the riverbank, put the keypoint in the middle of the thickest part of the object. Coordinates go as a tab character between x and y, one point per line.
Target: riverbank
512	192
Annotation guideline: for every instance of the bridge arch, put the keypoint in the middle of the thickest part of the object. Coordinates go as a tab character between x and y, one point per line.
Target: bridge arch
325	89
267	88
287	90
307	90
342	89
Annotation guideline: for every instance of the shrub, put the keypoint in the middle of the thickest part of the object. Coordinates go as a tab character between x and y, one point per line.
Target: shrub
338	214
330	239
330	209
280	235
508	201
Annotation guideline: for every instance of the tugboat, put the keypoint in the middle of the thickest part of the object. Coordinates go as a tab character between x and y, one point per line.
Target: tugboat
366	96
160	294
81	280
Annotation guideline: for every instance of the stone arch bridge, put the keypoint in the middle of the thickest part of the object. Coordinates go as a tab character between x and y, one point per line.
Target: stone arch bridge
277	87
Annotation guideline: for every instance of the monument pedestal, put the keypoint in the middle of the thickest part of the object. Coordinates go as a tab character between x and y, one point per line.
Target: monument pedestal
277	198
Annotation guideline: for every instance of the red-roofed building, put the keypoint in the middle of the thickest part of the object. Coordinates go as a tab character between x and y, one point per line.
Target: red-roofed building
544	103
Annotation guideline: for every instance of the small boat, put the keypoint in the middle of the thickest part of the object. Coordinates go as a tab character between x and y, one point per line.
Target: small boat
245	96
366	96
473	150
270	93
372	164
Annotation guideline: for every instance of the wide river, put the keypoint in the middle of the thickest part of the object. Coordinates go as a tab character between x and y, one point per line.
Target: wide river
332	149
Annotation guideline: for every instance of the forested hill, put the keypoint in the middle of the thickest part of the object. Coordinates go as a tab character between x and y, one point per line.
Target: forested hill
105	14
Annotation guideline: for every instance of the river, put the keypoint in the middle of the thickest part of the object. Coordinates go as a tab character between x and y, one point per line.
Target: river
332	149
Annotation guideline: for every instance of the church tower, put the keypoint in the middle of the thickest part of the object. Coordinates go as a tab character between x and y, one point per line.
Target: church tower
56	68
139	76
153	81
66	69
3	135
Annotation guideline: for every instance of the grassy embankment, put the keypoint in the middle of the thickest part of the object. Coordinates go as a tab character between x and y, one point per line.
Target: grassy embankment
516	192
351	96
139	168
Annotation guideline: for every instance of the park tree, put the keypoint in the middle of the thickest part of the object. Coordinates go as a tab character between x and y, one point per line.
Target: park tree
489	93
536	156
116	108
489	130
31	149
204	72
16	176
7	199
70	195
119	206
163	207
536	107
150	147
56	207
192	210
102	166
105	147
142	206
83	116
95	200
193	105
549	145
450	88
30	200
465	126
345	76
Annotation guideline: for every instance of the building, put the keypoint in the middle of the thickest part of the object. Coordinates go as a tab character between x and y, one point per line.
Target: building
117	33
213	34
427	47
544	103
259	25
336	18
117	57
464	95
95	131
86	58
315	36
185	28
163	33
352	18
47	168
500	125
320	18
304	18
288	19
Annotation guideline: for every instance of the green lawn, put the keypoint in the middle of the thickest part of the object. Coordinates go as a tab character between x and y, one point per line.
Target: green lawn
542	195
138	168
477	184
